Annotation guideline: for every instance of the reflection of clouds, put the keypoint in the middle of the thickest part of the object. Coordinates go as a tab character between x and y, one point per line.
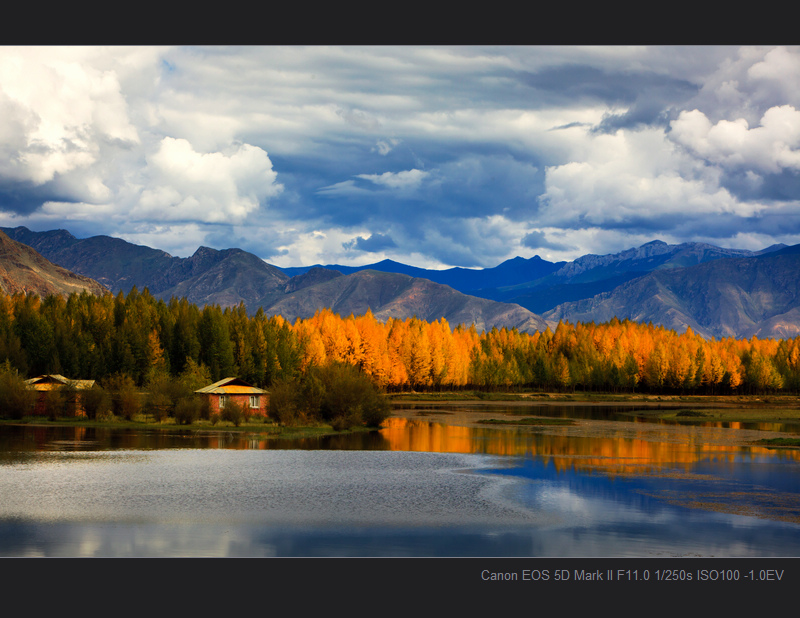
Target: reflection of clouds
142	541
213	502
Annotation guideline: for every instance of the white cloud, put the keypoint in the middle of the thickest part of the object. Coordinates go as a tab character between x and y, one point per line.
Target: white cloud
778	64
59	110
765	149
306	247
186	185
342	189
406	180
177	239
633	179
385	146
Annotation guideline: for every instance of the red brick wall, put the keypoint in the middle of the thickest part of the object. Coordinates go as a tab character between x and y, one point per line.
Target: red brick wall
74	406
242	400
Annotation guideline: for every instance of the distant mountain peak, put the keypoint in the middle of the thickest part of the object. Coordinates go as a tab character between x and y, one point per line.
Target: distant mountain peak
203	250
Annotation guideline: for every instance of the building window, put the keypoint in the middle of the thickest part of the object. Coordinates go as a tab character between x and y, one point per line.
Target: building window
254	401
223	399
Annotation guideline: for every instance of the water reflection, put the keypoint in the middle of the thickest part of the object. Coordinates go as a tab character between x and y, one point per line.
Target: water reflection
433	481
614	450
631	413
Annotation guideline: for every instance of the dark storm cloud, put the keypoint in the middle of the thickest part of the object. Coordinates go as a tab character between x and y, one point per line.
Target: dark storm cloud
651	111
538	240
570	83
773	226
782	186
374	244
262	244
475	184
24	198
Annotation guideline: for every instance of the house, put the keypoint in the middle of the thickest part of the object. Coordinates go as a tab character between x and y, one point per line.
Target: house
253	399
45	383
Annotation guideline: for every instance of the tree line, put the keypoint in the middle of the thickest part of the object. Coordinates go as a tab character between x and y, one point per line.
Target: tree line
140	337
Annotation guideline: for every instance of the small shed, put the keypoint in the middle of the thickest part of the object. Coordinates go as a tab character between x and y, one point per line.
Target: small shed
255	400
44	383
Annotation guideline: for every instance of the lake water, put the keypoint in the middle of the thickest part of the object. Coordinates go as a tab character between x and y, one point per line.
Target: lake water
434	481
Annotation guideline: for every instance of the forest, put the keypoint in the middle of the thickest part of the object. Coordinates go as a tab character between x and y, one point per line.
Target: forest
139	337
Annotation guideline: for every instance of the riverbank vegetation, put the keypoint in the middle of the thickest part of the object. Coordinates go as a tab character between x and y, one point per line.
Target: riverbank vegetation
339	394
135	344
259	428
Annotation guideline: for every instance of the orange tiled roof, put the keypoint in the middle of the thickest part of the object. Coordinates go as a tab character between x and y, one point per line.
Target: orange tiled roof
51	381
231	386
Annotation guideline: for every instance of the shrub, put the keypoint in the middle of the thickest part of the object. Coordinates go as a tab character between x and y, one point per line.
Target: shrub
125	399
350	397
233	413
95	402
283	402
16	399
338	393
188	411
55	404
159	405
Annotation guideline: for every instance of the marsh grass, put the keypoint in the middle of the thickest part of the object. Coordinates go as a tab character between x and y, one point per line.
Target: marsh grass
779	442
528	421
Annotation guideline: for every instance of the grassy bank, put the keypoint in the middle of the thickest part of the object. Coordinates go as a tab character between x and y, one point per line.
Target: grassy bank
266	429
732	415
780	442
730	408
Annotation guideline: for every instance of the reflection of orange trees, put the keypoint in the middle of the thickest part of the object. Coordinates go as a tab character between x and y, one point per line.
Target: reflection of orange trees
654	450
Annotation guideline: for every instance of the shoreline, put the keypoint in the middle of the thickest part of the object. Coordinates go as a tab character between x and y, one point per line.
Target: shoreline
784	409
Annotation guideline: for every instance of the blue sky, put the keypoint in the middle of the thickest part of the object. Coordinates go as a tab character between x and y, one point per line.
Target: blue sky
434	156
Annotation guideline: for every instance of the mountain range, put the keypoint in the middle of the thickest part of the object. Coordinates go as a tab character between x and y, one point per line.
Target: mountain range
234	276
734	297
715	291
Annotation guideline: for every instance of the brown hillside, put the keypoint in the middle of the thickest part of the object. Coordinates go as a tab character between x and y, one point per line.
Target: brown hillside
23	270
400	296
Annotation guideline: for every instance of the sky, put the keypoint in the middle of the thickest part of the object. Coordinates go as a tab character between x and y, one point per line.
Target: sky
435	156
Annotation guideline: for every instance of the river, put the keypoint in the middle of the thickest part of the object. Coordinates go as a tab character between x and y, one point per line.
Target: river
435	480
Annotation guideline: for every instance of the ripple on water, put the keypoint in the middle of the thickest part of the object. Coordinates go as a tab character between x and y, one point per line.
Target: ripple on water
272	487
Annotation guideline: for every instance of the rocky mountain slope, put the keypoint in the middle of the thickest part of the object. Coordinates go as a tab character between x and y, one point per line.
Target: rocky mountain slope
400	296
24	270
738	297
591	274
539	285
209	276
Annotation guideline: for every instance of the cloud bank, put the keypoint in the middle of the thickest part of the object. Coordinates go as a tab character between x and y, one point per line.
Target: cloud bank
435	156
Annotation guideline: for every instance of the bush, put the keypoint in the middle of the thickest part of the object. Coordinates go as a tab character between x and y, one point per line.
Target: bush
55	404
159	405
16	399
125	398
283	402
188	411
233	413
339	394
96	403
350	397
